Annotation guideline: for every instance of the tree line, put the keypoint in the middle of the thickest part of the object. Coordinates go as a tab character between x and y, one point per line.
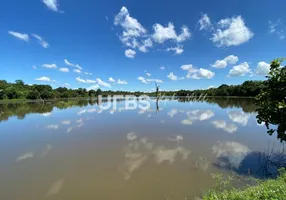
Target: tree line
20	90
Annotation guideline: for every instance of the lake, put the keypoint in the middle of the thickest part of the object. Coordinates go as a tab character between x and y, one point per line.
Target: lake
75	150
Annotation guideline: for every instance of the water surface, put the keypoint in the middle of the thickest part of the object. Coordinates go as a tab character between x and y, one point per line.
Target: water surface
74	150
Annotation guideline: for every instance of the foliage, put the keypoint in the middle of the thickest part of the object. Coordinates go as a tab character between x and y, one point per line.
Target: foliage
274	189
271	101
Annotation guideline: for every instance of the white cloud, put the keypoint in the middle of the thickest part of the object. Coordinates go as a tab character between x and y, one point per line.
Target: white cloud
44	78
145	44
231	59
93	87
21	36
161	33
52	4
154	80
162	67
134	34
187	67
230	128
129	53
220	64
50	66
263	68
187	122
88	81
72	64
200	114
42	42
205	22
66	84
231	32
172	76
111	80
102	83
143	80
276	28
64	70
239	70
122	82
146	81
178	50
77	71
239	117
78	79
195	73
148	74
233	153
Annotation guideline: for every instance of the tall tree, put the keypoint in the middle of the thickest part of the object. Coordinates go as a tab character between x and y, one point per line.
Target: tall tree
272	100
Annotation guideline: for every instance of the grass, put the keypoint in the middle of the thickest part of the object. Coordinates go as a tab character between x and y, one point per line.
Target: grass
273	189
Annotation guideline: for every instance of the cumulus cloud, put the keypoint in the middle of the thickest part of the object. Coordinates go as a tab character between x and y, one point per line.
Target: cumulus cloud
239	117
221	124
129	53
64	69
72	64
21	36
52	5
161	33
233	153
162	67
41	41
172	76
239	70
263	68
195	73
205	22
44	78
231	59
111	80
177	50
145	45
50	66
134	35
231	32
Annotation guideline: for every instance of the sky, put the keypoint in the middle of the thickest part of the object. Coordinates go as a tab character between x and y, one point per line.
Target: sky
131	45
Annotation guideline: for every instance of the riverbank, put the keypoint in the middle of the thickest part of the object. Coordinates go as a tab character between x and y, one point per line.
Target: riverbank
266	190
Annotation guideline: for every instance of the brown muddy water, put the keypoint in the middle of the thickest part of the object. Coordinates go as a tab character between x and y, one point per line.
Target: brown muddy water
71	150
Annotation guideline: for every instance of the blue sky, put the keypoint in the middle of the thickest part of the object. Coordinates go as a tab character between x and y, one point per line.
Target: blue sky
130	45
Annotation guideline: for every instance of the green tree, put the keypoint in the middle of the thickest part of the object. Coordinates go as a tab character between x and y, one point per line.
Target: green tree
20	82
272	100
33	95
98	92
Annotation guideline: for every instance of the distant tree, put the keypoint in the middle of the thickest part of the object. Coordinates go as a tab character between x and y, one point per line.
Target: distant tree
91	93
33	95
272	100
98	92
20	82
11	93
